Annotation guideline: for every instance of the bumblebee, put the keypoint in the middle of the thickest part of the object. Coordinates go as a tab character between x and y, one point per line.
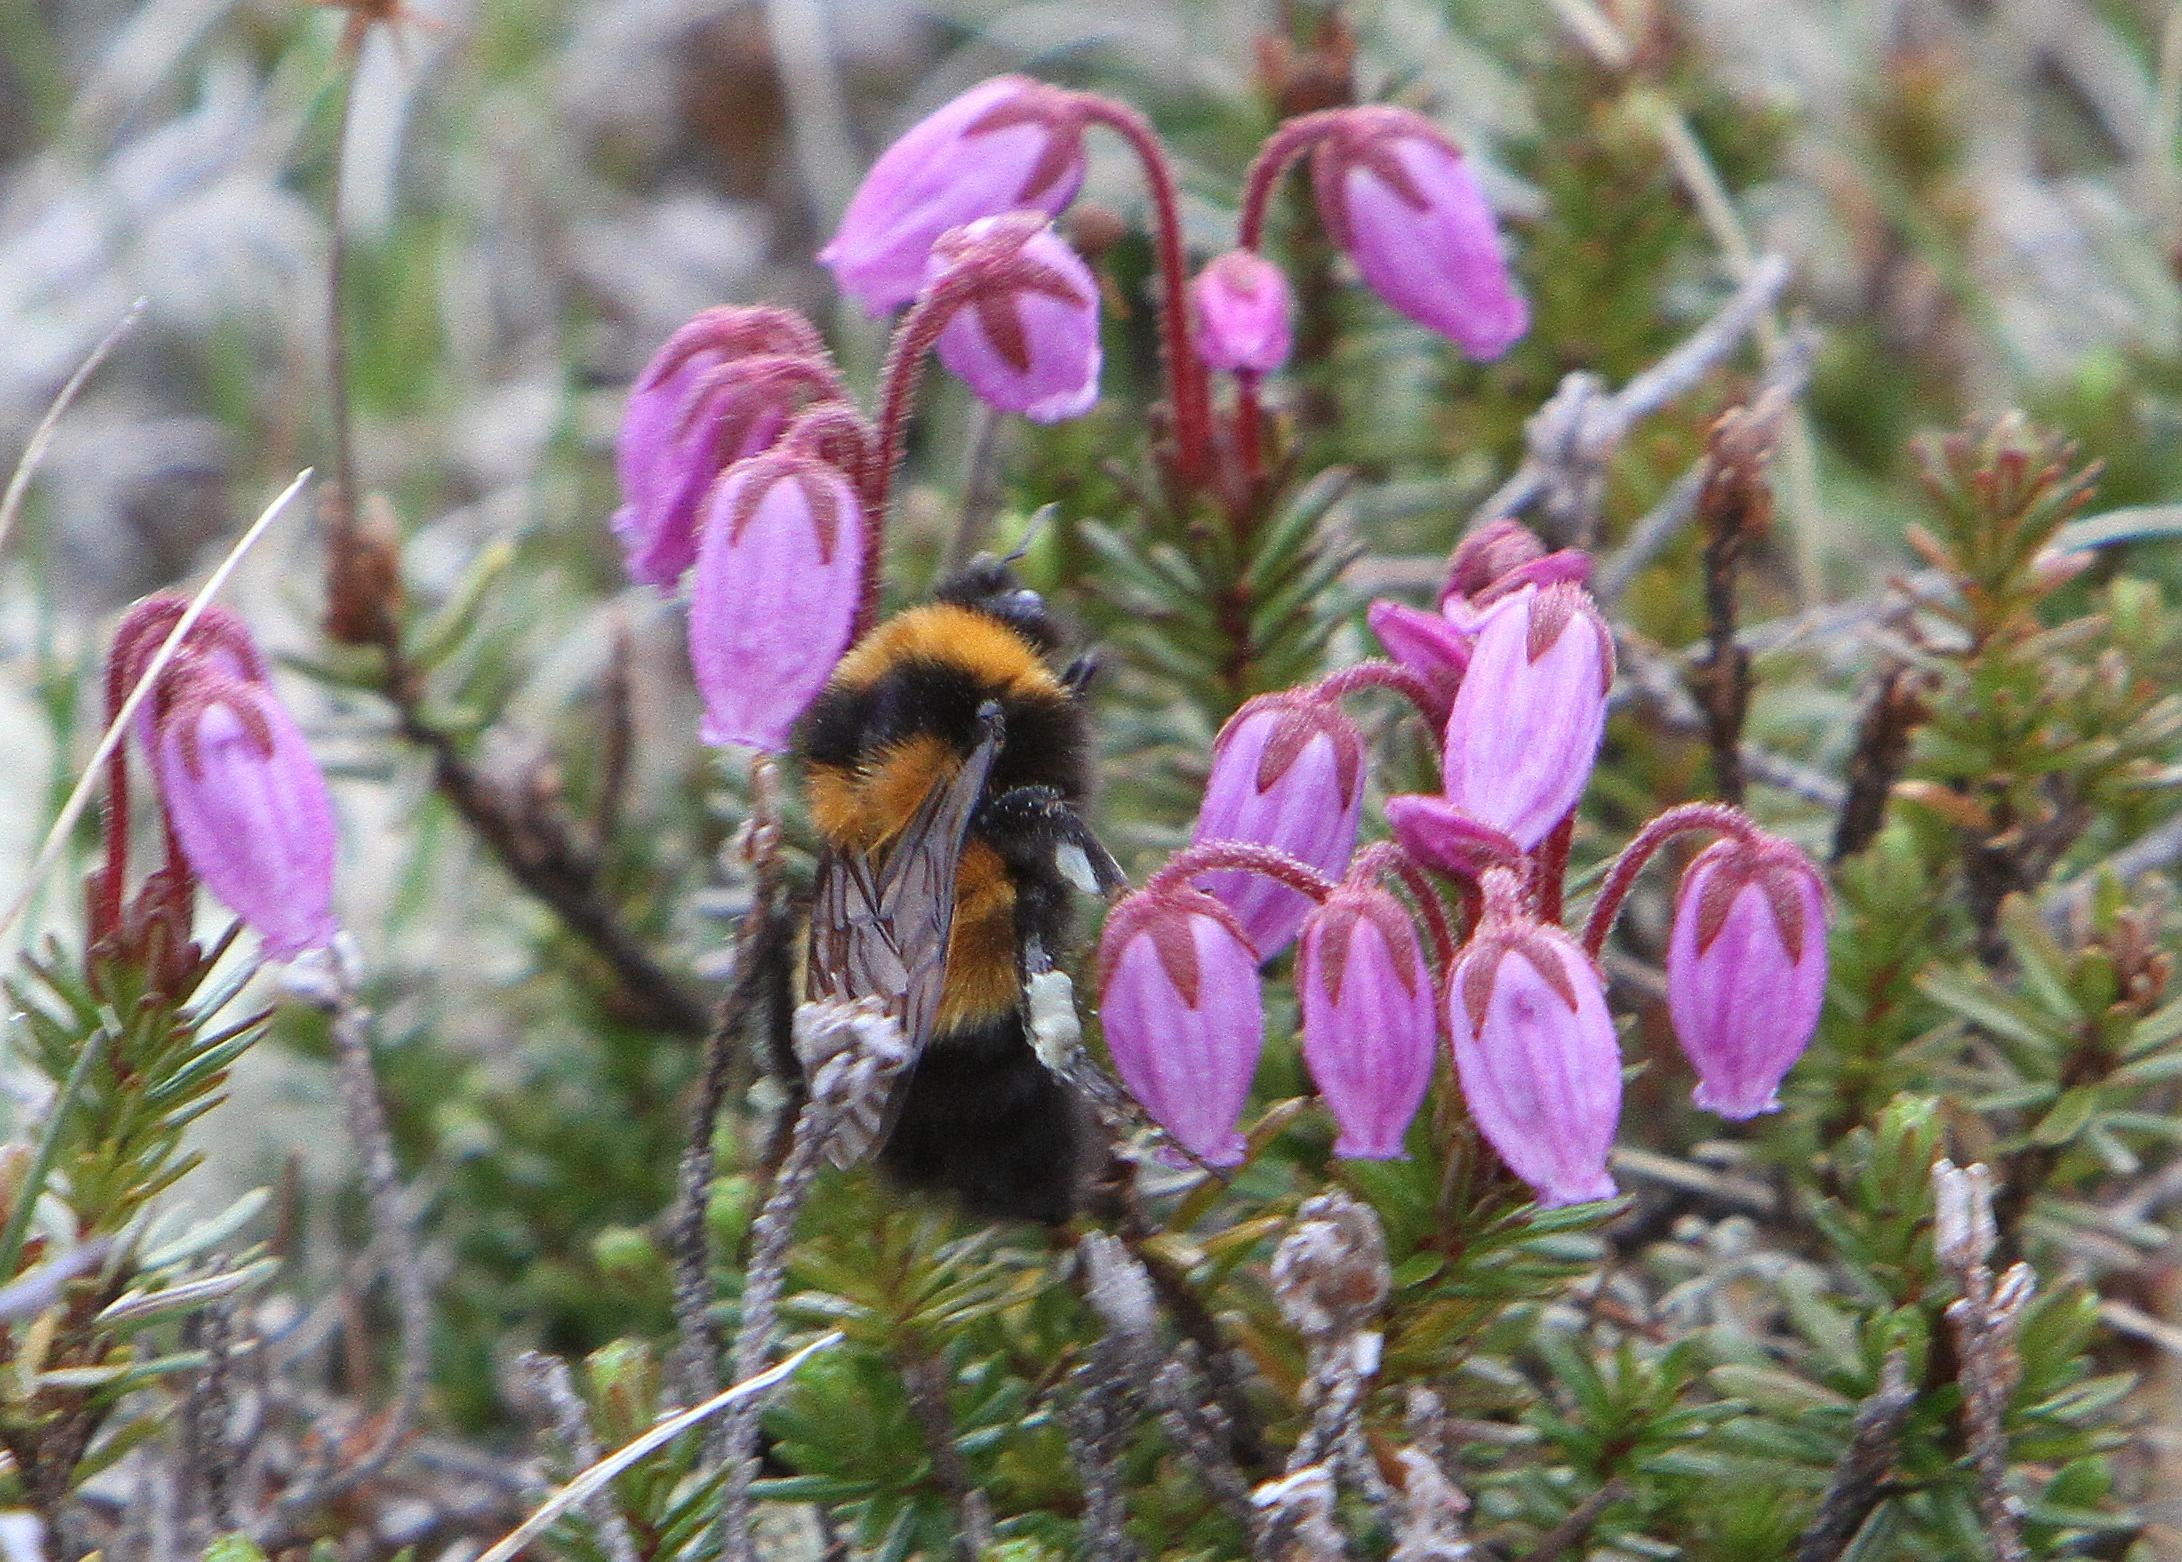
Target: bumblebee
947	763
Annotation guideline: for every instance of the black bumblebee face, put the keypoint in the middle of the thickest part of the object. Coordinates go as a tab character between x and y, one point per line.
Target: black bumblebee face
990	587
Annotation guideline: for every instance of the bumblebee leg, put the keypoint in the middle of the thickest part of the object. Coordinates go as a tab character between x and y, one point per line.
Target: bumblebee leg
1036	831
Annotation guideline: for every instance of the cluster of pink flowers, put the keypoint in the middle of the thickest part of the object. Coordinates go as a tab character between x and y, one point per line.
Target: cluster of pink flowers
744	460
246	807
1513	671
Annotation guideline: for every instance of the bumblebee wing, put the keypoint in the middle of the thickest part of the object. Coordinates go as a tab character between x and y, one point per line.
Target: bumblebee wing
880	930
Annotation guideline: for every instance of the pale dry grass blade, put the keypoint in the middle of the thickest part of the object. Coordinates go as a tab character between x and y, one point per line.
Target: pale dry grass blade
72	810
590	1481
11	503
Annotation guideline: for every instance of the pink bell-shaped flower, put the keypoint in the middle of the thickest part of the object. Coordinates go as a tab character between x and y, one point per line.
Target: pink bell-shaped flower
1746	969
1007	144
246	801
1445	839
1535	1051
1024	333
1184	1020
720	389
1287	772
1526	723
1245	314
779	576
1370	1017
1401	200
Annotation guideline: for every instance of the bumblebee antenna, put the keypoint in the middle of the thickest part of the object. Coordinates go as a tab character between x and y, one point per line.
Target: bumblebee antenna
1031	528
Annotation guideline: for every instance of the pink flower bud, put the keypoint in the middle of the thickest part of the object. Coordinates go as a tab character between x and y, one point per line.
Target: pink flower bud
1536	1055
1025	337
1007	144
1498	560
1370	1017
1746	969
1401	200
1179	1000
1287	772
1244	313
720	389
246	801
1428	644
779	575
1445	839
1527	720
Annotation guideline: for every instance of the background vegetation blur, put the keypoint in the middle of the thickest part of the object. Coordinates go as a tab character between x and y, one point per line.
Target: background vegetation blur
1983	208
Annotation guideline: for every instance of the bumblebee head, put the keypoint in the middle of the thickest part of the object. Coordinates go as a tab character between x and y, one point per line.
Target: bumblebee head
990	587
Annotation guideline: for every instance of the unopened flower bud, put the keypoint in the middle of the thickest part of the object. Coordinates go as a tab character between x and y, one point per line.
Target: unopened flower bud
1025	338
1536	1054
1402	201
779	577
1526	723
1746	969
1178	996
1370	1017
1287	772
246	801
1244	313
1498	560
1007	144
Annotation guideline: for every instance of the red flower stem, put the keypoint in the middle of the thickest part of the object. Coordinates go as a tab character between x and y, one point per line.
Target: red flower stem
1215	856
1249	446
1290	141
1388	858
1378	673
1620	878
106	905
1549	870
905	355
1187	385
1282	147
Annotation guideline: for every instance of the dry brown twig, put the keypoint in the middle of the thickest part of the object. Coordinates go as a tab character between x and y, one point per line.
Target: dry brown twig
1984	1321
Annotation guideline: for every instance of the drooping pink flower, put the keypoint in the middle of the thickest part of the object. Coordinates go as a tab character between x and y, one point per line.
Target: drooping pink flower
720	389
1025	338
779	577
1746	969
1445	839
1370	1017
1526	723
1429	644
1397	195
1184	1020
1536	1055
1007	144
1287	772
246	801
219	635
1244	313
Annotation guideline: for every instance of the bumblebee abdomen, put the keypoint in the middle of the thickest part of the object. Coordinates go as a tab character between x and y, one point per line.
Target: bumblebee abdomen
982	1118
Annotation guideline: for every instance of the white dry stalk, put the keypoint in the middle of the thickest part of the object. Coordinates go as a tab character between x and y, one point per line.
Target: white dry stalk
593	1480
64	823
11	503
